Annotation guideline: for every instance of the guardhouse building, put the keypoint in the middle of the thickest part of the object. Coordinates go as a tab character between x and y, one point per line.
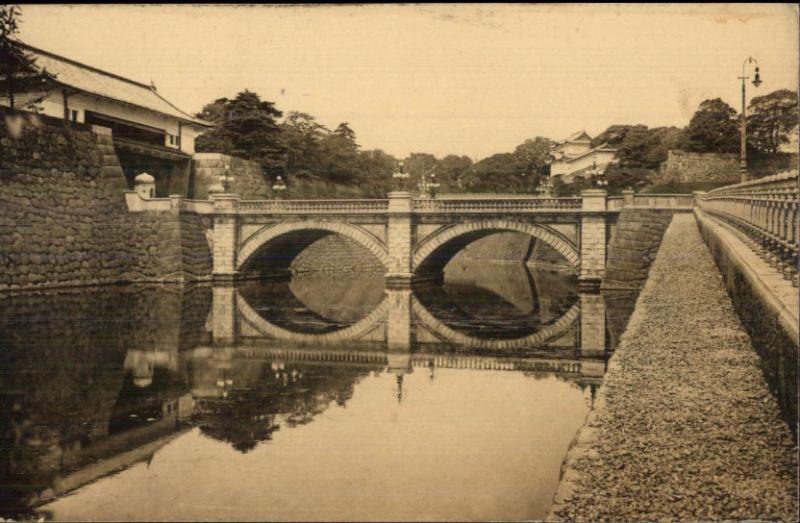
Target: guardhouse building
150	134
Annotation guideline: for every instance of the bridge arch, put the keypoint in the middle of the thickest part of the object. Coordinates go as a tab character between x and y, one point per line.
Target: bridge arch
448	334
348	334
434	251
270	233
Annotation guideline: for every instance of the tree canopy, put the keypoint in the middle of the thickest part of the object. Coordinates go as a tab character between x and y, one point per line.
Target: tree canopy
771	119
713	128
246	127
305	151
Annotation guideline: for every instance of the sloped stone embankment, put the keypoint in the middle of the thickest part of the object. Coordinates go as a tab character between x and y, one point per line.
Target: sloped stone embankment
685	428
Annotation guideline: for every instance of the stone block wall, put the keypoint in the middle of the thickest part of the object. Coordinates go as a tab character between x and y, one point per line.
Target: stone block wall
63	218
248	180
769	164
336	253
633	247
688	167
510	247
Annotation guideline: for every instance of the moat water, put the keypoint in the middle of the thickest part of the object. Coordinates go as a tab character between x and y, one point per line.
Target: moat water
320	398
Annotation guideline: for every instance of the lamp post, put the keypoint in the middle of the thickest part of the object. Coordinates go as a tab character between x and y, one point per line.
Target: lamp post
433	185
596	174
226	178
278	187
400	177
756	83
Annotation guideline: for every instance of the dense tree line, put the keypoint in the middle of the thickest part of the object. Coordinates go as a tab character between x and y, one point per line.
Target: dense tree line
330	162
318	161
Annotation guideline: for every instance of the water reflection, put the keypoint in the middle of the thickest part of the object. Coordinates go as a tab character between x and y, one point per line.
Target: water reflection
528	310
138	395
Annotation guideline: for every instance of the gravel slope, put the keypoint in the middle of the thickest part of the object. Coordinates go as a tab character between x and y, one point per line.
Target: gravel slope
685	428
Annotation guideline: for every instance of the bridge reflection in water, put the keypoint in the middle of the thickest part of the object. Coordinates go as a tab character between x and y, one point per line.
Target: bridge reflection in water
235	364
456	316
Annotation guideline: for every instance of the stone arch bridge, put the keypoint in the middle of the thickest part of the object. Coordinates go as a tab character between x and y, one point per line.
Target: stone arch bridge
412	238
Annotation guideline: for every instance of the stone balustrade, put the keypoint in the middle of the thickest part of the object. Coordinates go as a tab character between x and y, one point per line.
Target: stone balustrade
313	206
663	201
485	205
137	203
766	212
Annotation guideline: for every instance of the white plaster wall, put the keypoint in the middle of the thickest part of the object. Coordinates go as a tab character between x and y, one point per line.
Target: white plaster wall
53	106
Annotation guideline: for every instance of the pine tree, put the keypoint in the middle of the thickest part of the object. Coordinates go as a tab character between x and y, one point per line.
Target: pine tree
19	73
247	128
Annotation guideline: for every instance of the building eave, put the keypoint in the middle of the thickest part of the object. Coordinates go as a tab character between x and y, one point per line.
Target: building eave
182	116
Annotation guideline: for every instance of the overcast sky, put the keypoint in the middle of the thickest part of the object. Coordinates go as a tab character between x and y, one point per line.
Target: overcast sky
466	79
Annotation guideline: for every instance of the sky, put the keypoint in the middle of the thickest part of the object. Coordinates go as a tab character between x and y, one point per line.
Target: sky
444	79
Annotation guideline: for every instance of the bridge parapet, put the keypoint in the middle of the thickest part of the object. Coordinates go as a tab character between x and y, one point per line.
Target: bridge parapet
765	211
313	206
483	205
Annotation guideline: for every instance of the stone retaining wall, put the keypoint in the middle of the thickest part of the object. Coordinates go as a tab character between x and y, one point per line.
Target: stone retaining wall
336	253
721	168
688	167
633	247
248	180
63	218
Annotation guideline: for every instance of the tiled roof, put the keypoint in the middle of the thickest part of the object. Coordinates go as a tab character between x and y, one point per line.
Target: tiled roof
579	136
600	148
96	82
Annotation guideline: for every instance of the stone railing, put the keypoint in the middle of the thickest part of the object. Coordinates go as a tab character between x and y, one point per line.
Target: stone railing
198	206
663	201
673	202
456	205
313	206
482	205
615	203
766	211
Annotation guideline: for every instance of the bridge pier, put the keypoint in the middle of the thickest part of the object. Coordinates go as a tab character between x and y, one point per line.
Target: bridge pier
226	235
399	239
593	239
399	336
593	325
224	313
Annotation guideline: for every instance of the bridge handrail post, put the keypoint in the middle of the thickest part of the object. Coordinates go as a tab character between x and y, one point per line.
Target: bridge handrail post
175	203
593	200
697	198
628	198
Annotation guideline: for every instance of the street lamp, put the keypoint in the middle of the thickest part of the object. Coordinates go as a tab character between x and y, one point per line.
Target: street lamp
278	187
433	185
596	174
400	176
226	178
756	83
